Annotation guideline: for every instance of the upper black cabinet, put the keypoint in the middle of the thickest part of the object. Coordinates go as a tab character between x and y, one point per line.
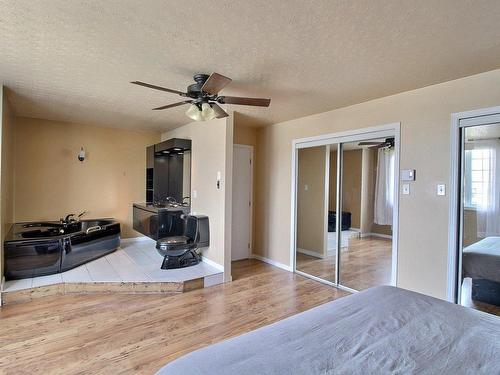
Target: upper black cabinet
168	170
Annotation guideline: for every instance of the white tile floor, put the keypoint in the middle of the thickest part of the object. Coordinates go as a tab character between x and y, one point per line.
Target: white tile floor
134	261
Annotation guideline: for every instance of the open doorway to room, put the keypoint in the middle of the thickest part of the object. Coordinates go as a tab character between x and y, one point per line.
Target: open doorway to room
355	175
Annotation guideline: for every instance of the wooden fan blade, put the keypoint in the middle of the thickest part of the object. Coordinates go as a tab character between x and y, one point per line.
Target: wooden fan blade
219	111
259	102
172	105
215	83
158	88
368	143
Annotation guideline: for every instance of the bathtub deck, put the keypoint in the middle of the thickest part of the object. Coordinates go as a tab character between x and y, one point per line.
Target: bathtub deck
134	268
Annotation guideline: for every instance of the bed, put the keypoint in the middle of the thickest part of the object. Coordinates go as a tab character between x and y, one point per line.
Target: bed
381	330
481	262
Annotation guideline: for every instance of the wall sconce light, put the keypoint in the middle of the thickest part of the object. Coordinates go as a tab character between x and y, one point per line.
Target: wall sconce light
81	154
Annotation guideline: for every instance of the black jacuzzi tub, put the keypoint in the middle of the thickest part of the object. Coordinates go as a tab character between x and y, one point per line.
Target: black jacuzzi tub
45	248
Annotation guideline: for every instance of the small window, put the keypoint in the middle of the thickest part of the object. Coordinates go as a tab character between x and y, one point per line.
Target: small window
477	177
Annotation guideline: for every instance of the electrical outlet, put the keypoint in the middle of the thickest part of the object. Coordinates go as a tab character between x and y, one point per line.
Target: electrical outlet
405	189
441	189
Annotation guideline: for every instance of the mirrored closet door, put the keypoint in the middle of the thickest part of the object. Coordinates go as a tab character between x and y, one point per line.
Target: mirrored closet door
345	199
479	248
316	250
368	180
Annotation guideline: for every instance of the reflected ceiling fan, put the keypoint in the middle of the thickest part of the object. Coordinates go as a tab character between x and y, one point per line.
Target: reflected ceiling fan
387	143
203	95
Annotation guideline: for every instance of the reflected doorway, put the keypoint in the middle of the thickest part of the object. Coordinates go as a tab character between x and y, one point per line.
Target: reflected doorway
479	249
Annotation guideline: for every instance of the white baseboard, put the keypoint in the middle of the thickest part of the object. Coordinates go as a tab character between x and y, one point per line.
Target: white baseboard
136	239
388	236
310	253
272	262
212	263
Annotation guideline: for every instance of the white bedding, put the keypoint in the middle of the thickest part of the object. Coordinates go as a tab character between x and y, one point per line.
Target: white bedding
481	260
383	330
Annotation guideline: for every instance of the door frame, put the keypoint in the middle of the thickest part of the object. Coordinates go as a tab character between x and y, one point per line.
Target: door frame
391	129
469	118
252	162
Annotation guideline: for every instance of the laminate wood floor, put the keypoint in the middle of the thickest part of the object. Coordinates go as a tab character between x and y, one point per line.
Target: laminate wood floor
366	262
137	334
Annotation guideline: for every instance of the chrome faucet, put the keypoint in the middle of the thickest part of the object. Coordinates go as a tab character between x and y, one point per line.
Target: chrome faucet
170	200
71	218
81	214
67	219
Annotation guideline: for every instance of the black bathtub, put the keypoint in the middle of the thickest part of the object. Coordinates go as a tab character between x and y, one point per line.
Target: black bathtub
45	248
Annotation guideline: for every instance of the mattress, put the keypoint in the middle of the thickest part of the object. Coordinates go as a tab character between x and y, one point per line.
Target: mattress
482	260
383	330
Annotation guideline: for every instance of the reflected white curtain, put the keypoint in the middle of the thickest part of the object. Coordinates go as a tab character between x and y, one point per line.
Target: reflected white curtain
384	187
488	209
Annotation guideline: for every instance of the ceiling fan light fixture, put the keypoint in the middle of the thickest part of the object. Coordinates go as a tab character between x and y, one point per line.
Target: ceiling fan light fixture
204	99
207	112
194	113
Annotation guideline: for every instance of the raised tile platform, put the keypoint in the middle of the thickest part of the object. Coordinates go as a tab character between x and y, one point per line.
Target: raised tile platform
134	268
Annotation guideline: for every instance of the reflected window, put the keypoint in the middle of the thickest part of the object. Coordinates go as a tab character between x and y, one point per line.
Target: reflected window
477	177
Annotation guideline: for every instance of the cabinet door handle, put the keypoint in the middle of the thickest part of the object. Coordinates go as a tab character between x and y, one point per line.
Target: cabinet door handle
93	229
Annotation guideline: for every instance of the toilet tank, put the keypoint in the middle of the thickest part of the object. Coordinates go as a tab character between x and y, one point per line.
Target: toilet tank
200	222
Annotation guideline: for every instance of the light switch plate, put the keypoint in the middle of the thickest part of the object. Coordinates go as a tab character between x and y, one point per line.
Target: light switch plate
408	175
441	189
405	189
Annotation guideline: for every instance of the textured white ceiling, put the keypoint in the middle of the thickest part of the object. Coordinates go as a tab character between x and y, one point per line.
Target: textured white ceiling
72	60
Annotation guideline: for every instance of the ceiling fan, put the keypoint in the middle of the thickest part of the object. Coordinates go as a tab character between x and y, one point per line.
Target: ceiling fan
388	142
203	95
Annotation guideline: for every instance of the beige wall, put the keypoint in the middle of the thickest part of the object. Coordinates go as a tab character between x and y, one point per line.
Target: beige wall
425	145
332	183
351	180
470	227
311	200
244	135
50	182
7	171
212	144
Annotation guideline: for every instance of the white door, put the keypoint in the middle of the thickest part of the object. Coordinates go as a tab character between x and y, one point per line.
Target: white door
242	202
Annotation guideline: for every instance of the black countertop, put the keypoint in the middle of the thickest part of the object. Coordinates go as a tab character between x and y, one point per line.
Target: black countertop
162	207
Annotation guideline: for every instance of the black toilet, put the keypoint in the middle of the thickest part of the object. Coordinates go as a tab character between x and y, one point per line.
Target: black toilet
182	251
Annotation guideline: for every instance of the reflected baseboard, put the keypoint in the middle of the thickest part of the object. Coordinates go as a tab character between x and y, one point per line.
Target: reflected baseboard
311	253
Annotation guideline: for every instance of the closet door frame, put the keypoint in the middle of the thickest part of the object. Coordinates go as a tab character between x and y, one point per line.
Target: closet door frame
460	121
381	131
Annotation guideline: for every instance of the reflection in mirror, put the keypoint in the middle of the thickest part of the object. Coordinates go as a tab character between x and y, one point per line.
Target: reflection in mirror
367	208
316	252
480	283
